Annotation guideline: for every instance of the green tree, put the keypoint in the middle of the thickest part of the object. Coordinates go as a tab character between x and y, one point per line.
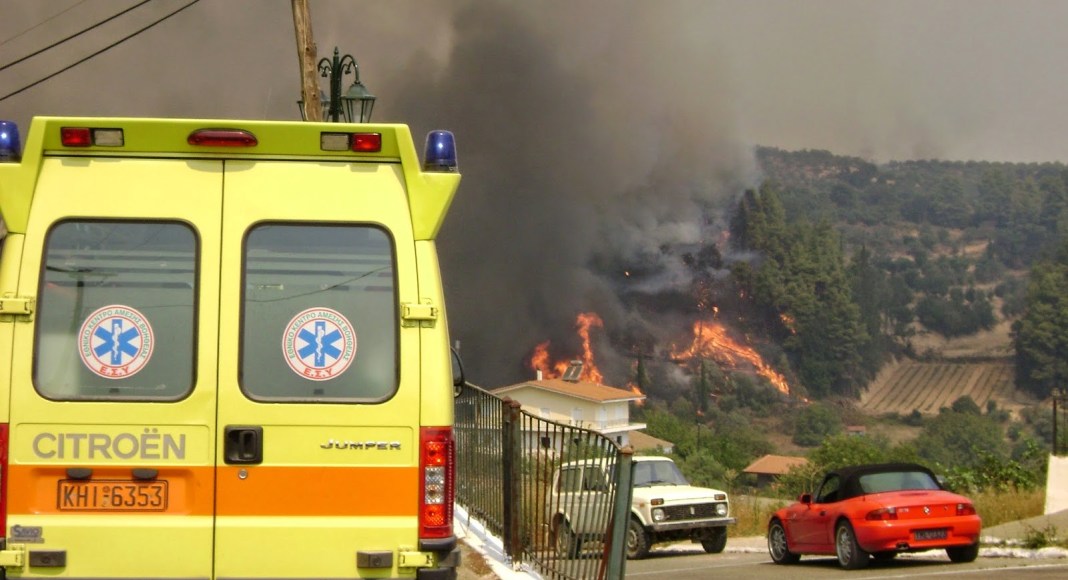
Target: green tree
1042	332
957	439
815	423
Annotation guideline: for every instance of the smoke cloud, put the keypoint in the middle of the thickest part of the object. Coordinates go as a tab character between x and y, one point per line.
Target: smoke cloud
593	136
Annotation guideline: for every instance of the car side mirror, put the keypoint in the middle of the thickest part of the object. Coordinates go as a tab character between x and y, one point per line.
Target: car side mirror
458	379
805	498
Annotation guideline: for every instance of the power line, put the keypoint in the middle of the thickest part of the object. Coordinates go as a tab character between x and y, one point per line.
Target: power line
75	35
105	49
43	22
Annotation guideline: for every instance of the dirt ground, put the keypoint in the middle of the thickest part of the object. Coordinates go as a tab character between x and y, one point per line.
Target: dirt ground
473	566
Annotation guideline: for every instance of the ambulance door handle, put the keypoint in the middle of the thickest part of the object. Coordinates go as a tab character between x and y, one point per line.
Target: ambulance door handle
244	445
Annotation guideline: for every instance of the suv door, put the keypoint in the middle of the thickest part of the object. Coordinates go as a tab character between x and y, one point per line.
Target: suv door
111	468
318	421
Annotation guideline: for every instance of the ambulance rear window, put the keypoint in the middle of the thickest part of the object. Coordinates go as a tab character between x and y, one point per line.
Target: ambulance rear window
319	315
116	311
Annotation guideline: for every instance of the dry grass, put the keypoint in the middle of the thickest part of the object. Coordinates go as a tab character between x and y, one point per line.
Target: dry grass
998	508
753	514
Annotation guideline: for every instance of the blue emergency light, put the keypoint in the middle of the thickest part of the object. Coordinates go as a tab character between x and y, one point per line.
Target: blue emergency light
10	150
440	152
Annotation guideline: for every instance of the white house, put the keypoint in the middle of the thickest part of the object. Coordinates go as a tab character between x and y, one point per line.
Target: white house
573	402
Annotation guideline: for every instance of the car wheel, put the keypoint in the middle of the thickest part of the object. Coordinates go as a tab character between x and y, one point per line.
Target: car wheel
777	545
567	545
716	541
963	554
850	555
638	540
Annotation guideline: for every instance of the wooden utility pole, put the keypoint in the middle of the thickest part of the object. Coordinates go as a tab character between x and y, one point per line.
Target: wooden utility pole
309	84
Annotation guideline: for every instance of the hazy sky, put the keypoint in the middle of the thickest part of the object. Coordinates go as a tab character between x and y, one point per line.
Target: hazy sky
590	132
964	79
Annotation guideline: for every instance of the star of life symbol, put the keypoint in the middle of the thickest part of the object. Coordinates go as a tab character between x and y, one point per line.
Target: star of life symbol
319	344
115	341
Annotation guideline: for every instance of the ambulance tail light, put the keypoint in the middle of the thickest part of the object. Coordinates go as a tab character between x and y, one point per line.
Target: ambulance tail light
222	138
357	142
439	155
86	137
10	150
437	467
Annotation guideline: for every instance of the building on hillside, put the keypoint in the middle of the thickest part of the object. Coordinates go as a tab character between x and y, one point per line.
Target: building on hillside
573	402
769	468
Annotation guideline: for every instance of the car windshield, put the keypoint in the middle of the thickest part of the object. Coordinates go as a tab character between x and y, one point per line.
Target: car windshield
897	481
648	473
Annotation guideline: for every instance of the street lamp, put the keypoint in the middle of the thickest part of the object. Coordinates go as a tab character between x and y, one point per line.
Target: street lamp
335	105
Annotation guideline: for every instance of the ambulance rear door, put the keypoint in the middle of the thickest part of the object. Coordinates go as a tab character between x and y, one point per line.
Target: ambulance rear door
318	420
111	466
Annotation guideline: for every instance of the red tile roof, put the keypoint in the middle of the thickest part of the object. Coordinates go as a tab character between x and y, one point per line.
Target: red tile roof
579	390
774	464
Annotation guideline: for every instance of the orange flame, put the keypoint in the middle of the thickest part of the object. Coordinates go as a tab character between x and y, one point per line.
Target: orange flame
541	361
710	340
789	322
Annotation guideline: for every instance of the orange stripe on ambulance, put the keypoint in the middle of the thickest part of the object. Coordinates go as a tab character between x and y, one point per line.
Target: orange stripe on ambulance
149	444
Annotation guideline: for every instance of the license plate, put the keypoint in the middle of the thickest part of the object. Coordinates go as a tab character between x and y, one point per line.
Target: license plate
939	534
112	496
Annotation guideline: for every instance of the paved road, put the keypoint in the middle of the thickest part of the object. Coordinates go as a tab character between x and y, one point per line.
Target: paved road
684	564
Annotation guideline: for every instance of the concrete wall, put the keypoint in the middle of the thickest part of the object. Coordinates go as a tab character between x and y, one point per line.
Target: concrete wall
1057	485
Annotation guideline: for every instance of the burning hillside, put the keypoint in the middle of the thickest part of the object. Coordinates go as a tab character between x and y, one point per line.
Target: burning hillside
710	341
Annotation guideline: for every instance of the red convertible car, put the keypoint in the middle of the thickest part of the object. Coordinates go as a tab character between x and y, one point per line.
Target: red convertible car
875	511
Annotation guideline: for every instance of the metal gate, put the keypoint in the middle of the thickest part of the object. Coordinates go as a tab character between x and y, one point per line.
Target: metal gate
506	461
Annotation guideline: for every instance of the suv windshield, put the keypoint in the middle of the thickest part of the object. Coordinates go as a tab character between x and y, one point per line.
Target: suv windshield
657	473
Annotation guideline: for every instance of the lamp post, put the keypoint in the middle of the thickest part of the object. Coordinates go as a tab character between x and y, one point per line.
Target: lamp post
337	107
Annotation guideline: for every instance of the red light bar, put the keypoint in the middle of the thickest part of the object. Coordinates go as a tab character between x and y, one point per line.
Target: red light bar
222	138
75	136
367	142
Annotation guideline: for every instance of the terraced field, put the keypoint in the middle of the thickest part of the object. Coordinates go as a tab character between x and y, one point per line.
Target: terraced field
929	386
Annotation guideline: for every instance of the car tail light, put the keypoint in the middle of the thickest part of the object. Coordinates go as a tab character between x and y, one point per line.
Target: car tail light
965	509
437	464
882	514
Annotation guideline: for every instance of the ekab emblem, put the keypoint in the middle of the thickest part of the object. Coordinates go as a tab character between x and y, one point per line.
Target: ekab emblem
115	341
319	344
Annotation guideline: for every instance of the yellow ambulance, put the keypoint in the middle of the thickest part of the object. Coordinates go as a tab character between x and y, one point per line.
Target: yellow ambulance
224	351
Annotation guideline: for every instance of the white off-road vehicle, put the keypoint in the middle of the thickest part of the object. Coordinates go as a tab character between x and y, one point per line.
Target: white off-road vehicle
664	507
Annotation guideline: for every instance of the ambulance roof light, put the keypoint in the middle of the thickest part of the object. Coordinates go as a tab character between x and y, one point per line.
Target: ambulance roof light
10	150
440	152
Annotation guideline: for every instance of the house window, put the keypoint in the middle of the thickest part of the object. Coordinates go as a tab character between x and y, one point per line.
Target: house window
576	416
545	413
602	418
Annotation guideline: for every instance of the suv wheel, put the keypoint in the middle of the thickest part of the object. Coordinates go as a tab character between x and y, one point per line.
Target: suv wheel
716	541
567	545
638	540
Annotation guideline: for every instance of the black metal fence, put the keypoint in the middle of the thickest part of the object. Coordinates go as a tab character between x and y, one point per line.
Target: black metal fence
506	463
